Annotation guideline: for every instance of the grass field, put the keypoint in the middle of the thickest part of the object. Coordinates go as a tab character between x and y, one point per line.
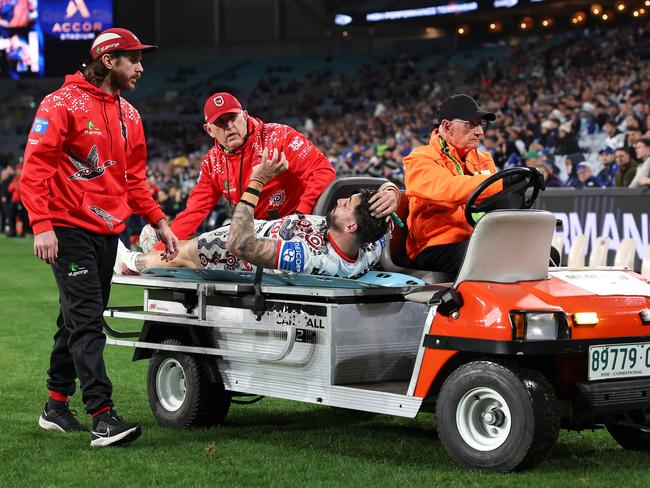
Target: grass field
272	443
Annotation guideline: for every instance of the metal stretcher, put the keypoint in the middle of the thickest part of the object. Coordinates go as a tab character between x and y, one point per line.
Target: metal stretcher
332	341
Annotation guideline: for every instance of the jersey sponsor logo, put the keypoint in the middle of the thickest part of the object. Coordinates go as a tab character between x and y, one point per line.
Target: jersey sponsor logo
296	143
105	216
76	270
101	49
40	126
92	130
33	142
292	257
89	168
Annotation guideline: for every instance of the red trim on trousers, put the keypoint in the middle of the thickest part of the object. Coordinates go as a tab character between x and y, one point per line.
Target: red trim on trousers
58	397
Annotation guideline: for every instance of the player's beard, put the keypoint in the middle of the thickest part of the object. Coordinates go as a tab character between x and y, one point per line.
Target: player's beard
332	221
119	81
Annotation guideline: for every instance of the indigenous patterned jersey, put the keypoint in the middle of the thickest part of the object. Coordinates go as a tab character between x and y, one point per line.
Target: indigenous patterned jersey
303	247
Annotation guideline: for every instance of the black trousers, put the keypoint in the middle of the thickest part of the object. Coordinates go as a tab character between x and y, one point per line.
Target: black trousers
83	272
446	258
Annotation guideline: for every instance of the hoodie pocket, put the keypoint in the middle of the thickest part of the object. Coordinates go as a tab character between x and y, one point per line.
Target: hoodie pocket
113	210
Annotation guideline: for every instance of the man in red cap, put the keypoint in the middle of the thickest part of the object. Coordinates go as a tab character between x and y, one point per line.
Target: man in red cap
240	140
84	174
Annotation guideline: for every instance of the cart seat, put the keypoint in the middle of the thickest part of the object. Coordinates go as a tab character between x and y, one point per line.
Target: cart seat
394	257
497	254
344	188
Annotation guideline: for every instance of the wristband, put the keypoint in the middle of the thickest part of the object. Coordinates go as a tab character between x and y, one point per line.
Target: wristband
250	198
255	184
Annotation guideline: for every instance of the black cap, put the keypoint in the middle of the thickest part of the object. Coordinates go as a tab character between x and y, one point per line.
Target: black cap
462	107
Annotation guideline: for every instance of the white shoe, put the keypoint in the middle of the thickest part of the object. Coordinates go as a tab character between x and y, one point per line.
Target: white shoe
148	238
124	261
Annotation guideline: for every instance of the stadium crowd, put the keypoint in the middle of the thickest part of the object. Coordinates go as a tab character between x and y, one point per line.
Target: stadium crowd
576	106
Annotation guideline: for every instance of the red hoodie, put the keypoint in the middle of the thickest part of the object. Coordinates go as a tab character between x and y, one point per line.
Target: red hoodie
82	167
227	173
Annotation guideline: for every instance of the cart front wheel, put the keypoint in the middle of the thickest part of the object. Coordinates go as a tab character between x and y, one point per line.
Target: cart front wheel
181	394
497	419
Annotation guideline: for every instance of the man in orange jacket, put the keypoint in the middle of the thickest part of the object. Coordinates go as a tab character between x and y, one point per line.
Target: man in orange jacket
439	178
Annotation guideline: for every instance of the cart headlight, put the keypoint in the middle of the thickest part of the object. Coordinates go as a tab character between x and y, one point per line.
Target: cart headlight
539	326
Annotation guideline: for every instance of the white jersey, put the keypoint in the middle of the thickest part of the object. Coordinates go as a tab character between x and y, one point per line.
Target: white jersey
303	247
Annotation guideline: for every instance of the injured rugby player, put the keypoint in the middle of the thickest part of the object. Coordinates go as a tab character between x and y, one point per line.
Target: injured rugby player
347	243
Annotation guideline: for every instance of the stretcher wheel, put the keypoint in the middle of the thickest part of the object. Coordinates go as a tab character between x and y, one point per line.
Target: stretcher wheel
180	392
497	419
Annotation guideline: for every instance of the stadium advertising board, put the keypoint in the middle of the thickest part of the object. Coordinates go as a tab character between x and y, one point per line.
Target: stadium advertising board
48	37
615	213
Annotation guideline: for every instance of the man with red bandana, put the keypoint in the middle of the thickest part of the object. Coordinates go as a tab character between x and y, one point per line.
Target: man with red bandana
240	140
83	176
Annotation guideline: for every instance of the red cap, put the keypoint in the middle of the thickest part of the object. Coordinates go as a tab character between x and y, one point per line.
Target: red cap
220	103
117	39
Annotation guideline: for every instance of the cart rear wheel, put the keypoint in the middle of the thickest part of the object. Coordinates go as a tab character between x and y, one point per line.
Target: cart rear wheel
497	419
180	393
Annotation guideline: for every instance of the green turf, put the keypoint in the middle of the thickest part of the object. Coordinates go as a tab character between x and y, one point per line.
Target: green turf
272	443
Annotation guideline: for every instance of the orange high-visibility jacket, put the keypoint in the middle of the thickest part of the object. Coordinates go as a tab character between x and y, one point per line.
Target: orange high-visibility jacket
437	194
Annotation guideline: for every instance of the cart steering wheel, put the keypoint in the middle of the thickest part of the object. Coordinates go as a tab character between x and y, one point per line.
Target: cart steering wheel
512	195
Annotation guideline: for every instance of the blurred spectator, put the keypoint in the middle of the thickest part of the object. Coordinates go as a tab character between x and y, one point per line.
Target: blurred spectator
626	168
586	176
567	142
17	212
6	175
615	138
633	135
642	176
607	174
572	162
550	179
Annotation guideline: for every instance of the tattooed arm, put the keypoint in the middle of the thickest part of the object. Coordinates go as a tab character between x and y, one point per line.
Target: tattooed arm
242	242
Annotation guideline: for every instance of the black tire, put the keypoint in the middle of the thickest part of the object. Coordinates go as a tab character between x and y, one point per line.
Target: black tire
523	431
633	437
203	403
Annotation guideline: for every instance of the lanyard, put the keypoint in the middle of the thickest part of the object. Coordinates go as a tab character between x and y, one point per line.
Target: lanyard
445	150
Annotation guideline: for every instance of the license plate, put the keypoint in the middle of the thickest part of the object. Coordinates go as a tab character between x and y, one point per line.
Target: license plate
619	361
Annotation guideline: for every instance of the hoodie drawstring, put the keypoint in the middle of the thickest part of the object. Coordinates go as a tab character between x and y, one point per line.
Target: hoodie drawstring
122	124
105	118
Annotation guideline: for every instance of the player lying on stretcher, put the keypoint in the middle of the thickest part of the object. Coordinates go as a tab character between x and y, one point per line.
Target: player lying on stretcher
347	243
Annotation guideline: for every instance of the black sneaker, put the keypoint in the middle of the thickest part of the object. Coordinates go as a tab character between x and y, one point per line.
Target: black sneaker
61	419
111	430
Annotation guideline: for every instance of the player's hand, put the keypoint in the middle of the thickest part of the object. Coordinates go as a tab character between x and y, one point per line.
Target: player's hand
383	203
172	244
270	167
46	246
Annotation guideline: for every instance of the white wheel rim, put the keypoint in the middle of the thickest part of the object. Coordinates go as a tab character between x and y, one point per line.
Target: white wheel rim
170	384
483	419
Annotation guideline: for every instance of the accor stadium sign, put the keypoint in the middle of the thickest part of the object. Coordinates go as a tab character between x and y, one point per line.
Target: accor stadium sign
59	27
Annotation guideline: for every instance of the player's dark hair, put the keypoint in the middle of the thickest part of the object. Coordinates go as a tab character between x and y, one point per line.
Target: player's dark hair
95	72
369	229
